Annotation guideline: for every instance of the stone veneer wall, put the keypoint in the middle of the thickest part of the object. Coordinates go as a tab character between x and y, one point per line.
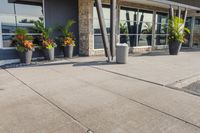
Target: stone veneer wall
86	32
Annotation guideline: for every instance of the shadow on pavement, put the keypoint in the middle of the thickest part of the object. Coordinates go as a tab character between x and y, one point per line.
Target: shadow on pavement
94	63
36	64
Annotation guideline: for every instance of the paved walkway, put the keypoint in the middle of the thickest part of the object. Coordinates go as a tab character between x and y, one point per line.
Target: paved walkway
86	94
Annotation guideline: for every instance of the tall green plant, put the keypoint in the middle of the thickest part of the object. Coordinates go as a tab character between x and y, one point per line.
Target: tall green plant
40	28
66	29
67	37
177	30
45	40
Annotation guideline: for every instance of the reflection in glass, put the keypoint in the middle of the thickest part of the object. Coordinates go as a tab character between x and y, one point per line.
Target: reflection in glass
161	18
98	42
196	36
161	29
188	24
8	23
27	22
139	26
161	39
96	26
128	15
106	12
129	39
146	28
6	7
145	16
145	40
22	9
10	18
7	40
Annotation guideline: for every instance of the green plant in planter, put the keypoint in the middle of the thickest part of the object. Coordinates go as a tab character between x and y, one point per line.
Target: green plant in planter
177	30
45	39
45	42
24	45
177	33
67	38
23	41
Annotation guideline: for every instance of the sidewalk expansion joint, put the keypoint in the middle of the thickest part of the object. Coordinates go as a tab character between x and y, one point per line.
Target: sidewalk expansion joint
51	103
136	101
169	86
124	75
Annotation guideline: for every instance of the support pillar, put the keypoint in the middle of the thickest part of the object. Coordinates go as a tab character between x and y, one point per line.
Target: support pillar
103	28
86	32
113	19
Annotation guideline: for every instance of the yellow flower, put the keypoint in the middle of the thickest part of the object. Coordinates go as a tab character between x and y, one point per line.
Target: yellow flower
68	41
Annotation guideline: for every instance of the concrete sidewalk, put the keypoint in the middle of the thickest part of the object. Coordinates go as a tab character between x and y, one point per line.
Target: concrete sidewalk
91	95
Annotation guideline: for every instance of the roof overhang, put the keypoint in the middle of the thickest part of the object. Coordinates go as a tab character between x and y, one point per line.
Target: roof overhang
177	4
165	4
32	2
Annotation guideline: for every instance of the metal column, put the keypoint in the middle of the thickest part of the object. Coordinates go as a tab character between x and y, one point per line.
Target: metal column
103	28
113	18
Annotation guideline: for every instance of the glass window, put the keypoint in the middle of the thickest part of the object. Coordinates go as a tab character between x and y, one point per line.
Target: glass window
161	18
188	24
145	40
146	28
22	9
136	27
196	36
7	40
128	15
17	15
8	23
27	22
6	7
161	28
161	39
98	42
145	16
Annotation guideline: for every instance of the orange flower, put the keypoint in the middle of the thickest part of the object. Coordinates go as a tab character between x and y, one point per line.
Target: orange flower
21	37
68	41
28	44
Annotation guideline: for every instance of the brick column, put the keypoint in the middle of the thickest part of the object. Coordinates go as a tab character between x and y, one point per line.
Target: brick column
86	32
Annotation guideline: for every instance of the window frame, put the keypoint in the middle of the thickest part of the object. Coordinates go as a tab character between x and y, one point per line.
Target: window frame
138	11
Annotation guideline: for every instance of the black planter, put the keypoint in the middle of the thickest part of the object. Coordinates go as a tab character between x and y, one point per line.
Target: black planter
26	57
49	54
68	51
174	47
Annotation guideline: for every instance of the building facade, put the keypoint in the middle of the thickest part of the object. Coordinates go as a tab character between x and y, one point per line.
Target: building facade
140	23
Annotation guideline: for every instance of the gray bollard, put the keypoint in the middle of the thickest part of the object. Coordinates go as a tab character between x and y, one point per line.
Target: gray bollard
122	51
